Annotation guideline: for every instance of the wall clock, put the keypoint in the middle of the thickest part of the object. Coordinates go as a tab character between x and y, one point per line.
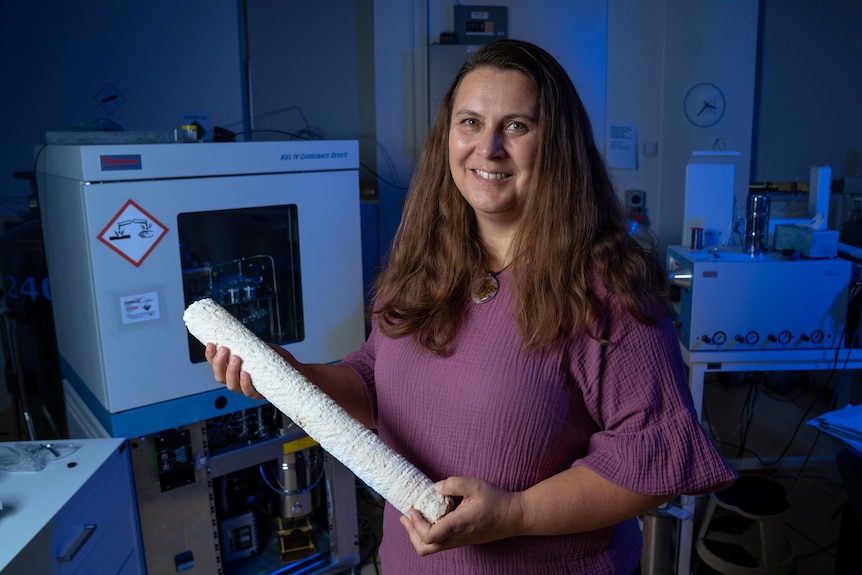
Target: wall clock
704	104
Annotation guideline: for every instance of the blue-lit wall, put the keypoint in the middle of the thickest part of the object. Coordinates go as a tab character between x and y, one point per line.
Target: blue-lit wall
809	89
164	58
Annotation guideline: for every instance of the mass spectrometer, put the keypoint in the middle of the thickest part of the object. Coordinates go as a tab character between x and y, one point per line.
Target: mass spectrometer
134	233
730	300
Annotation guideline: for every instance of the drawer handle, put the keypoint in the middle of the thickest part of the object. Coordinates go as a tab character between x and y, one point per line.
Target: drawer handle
79	543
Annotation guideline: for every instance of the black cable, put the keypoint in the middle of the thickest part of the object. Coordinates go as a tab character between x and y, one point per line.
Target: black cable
802	420
747	416
371	522
819	549
832	401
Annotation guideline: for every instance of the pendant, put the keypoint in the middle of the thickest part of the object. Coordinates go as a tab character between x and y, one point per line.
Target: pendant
485	288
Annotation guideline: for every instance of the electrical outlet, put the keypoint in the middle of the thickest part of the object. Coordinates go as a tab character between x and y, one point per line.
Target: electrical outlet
635	200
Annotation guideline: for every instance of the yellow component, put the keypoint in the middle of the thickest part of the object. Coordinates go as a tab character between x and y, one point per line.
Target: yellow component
297	444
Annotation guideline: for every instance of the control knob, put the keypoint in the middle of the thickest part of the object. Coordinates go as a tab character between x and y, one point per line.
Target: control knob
750	338
784	337
718	338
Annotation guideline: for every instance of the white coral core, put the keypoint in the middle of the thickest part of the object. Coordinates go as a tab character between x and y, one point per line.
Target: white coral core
345	438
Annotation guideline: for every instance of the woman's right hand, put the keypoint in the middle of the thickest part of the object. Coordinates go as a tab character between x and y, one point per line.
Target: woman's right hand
227	369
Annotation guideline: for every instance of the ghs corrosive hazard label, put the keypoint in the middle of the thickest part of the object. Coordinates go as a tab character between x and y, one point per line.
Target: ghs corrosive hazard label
133	233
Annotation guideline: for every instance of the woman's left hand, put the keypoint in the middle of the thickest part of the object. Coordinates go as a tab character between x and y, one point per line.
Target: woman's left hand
485	513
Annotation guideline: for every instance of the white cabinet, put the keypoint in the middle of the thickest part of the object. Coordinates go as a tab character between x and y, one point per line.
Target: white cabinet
78	515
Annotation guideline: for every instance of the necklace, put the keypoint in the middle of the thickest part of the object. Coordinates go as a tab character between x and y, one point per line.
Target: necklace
487	286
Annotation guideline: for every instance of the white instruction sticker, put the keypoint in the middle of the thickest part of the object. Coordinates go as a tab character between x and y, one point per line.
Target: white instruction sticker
140	307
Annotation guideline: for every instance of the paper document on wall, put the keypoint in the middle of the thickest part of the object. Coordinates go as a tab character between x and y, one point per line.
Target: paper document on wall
844	423
621	146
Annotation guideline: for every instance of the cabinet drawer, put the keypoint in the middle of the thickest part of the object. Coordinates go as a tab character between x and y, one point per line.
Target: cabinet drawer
94	532
80	509
111	553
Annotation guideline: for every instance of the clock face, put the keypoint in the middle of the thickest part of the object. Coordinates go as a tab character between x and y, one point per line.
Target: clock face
704	104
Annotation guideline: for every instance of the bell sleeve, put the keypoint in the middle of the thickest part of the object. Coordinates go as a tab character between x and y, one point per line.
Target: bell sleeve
650	439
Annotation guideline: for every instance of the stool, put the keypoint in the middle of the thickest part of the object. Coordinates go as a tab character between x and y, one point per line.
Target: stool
743	529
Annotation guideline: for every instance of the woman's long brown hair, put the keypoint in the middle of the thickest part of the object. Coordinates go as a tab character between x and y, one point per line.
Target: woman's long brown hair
573	231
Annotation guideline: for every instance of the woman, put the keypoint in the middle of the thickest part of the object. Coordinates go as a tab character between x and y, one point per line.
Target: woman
522	351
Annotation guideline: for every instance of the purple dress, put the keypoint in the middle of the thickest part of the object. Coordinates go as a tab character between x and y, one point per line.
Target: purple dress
492	410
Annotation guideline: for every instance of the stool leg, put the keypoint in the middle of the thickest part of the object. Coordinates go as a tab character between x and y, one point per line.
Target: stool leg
772	541
707	517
